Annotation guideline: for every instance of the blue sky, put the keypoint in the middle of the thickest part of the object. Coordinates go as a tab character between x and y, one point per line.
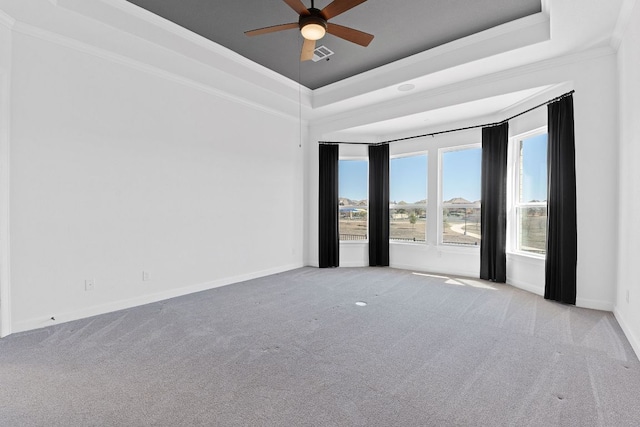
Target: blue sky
461	175
408	179
534	168
353	176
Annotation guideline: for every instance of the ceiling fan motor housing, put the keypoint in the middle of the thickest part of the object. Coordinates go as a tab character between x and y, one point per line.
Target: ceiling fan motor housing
314	17
313	25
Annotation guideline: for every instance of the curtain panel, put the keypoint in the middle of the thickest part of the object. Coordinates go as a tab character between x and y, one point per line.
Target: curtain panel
378	205
328	237
493	211
562	244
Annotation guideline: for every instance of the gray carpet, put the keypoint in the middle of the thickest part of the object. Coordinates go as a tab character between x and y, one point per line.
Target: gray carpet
294	349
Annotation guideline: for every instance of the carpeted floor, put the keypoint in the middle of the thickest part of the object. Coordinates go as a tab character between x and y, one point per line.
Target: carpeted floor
294	349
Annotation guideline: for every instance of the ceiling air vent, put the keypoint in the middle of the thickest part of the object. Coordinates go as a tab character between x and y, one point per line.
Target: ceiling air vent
321	52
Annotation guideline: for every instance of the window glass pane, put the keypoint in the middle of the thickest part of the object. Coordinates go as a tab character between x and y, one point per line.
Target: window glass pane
531	210
533	169
532	229
461	175
353	199
461	226
461	196
408	198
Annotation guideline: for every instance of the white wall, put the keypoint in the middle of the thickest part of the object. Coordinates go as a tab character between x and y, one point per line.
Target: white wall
116	170
593	76
5	107
628	310
594	81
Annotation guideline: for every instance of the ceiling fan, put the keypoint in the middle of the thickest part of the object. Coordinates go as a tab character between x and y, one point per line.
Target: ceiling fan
313	25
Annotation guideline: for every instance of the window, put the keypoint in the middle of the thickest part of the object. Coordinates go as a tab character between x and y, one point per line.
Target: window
530	188
353	176
461	176
408	198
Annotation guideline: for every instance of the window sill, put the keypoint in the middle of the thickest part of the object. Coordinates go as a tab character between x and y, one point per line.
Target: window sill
407	242
526	256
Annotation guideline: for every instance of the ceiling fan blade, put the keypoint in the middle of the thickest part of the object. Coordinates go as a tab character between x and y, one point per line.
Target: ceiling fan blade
297	6
337	7
307	50
350	34
272	29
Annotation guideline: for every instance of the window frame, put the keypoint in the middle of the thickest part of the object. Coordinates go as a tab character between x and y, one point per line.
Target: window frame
442	205
413	205
355	241
513	195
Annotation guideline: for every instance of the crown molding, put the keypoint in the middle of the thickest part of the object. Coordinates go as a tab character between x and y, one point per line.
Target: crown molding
586	55
453	93
211	48
545	6
51	37
626	11
6	20
503	38
199	40
548	92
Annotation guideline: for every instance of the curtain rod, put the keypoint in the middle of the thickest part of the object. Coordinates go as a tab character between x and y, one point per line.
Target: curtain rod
557	98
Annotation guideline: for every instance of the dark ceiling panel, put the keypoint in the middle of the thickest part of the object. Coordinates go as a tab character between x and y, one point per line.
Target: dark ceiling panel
401	28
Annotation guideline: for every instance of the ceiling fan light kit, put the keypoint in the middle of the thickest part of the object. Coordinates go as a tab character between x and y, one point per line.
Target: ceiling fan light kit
313	25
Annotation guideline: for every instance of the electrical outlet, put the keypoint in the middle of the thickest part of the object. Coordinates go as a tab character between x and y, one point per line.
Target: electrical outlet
89	284
145	276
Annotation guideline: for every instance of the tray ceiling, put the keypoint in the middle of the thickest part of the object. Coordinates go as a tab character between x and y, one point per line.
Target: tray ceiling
401	29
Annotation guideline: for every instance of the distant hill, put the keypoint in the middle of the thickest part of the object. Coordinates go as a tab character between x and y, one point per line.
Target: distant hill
457	201
343	201
402	202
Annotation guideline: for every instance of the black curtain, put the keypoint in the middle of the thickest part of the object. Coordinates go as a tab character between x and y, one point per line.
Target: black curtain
562	244
329	245
493	212
378	205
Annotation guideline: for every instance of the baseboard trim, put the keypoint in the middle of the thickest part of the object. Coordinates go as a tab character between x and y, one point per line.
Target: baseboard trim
633	340
580	302
594	304
353	264
526	287
30	324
